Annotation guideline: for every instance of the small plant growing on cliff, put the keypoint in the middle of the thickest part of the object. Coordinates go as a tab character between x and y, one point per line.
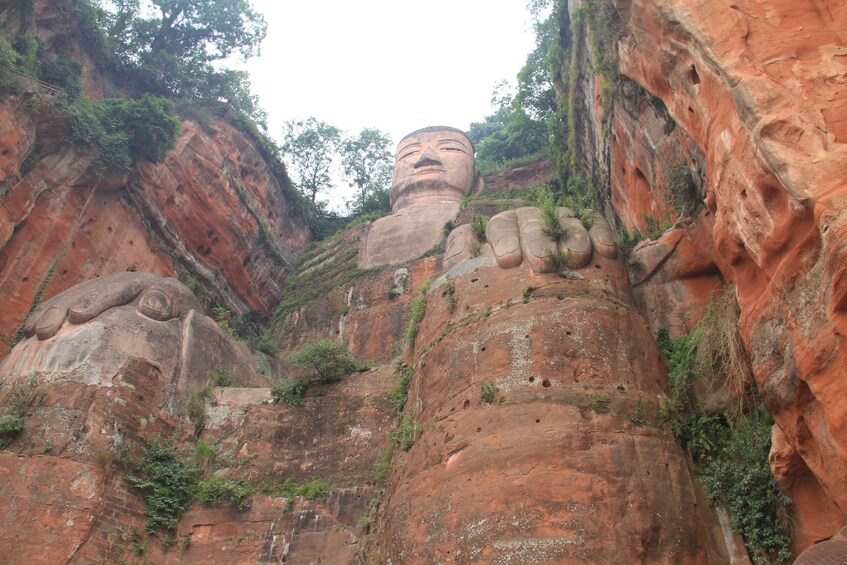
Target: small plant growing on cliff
219	489
448	227
196	406
600	403
550	223
222	376
327	360
557	260
417	310
527	293
450	295
289	391
488	391
478	223
406	433
681	190
11	427
400	391
167	483
222	315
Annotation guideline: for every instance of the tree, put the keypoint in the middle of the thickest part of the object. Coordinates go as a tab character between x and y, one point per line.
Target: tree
310	146
328	359
368	165
171	46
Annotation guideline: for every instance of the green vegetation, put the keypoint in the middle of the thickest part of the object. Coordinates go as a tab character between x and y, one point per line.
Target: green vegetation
321	269
218	489
417	309
730	446
550	223
405	434
222	316
23	393
488	391
681	190
527	293
11	426
478	223
167	483
558	260
400	391
450	295
289	391
196	406
600	403
627	240
222	376
327	360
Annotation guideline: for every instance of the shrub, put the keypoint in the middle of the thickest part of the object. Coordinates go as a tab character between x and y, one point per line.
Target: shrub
316	489
600	403
65	74
550	223
488	391
450	295
218	489
22	394
167	483
289	391
556	259
8	62
196	407
417	310
478	223
222	376
626	240
739	479
328	359
221	316
527	293
681	190
123	131
11	427
400	391
405	434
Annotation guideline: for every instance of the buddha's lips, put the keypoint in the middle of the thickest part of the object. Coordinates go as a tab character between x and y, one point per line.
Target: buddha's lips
428	169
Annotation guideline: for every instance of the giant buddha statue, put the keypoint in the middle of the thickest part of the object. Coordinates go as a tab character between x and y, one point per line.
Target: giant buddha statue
434	169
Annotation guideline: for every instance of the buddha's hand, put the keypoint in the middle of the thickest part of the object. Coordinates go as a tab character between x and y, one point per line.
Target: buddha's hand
160	299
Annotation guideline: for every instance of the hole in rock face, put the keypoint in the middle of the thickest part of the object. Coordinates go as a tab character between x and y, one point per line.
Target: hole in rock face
693	75
567	333
597	266
483	349
478	430
466	403
690	110
474	280
546	383
6	152
537	420
532	379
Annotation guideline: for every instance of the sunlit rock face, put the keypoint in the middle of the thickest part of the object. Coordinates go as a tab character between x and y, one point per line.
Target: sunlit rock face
434	169
759	87
567	460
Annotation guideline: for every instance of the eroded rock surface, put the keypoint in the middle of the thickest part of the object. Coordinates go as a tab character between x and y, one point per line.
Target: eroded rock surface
567	461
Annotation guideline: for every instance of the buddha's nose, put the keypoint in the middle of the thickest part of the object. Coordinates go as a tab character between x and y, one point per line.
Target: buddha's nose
428	158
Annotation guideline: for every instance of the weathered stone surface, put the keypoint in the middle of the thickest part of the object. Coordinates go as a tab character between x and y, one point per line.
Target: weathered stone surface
185	345
211	210
555	469
759	86
522	176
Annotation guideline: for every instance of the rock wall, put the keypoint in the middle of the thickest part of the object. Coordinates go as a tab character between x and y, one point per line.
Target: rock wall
212	212
759	90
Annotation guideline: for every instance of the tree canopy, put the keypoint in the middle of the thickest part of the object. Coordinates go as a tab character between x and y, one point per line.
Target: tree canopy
310	147
368	165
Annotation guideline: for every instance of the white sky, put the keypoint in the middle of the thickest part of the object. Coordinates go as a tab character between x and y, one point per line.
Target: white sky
388	64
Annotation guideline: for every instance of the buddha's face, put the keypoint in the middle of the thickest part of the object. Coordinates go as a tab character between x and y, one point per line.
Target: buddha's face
432	166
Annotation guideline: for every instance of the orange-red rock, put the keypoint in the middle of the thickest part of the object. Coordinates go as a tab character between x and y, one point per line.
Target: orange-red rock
559	467
760	87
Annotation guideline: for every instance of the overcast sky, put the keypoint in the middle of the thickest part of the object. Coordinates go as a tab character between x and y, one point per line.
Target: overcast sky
393	65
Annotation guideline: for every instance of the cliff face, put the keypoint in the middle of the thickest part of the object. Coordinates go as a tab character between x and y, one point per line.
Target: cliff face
760	92
212	212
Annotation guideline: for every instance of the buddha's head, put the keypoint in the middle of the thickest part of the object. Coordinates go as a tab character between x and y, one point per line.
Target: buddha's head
433	164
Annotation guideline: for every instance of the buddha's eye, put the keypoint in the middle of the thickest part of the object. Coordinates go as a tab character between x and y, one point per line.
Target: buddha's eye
452	148
408	154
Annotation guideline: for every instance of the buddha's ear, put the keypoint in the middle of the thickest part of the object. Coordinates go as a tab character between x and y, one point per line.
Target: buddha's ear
479	184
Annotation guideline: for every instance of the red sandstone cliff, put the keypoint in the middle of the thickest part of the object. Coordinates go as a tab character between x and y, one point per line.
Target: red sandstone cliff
760	91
